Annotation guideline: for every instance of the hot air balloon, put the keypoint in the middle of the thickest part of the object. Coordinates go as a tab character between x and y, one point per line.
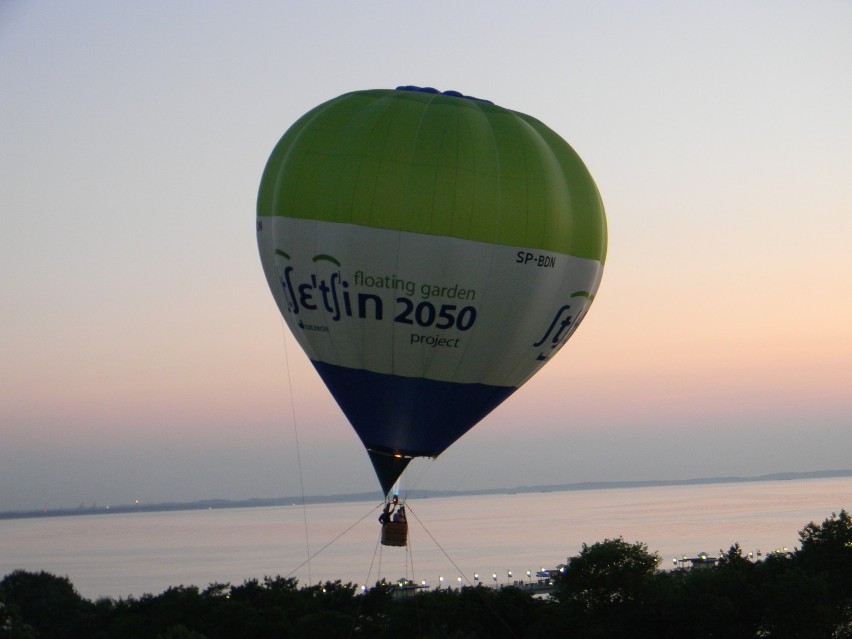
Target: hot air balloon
429	252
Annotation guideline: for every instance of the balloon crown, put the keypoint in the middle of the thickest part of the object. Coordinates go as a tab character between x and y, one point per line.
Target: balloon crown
455	94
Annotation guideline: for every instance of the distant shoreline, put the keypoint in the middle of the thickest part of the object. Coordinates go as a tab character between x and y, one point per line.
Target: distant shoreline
208	504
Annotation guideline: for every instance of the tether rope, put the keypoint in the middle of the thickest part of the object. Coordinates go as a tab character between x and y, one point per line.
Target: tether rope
376	551
440	547
484	600
367	514
298	451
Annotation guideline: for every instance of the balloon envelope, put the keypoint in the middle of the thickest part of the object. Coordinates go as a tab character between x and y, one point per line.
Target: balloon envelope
429	252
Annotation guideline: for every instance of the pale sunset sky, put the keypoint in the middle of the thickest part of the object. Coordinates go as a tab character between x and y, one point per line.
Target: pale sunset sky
142	356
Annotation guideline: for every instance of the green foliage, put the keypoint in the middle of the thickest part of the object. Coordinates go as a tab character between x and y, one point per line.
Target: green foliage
606	588
734	559
835	533
49	604
12	626
180	632
827	549
606	573
610	589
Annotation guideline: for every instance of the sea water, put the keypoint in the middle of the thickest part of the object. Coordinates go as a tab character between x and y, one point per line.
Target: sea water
493	540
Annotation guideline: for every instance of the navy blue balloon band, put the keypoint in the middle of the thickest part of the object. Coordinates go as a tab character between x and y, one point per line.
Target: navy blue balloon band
454	94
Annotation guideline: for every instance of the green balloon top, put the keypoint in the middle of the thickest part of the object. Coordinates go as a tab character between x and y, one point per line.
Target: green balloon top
436	163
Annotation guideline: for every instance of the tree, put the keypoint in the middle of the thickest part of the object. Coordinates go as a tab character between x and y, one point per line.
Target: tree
11	624
724	601
734	560
826	558
604	587
827	551
606	572
827	547
49	604
180	632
